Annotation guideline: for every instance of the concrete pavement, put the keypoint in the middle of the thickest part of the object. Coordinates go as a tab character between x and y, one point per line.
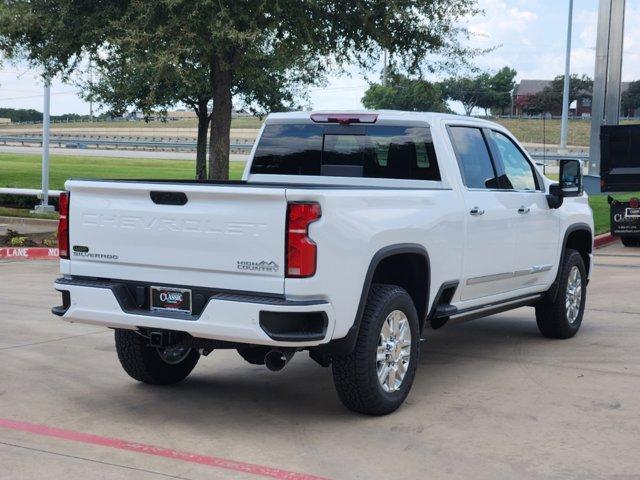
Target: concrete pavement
492	399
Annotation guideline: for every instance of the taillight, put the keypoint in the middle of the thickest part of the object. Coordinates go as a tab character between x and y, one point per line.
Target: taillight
301	251
63	225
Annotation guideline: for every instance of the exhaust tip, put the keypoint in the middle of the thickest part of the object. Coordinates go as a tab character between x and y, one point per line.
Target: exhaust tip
276	360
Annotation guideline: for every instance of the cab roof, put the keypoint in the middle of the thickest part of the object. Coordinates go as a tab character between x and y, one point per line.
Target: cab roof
382	117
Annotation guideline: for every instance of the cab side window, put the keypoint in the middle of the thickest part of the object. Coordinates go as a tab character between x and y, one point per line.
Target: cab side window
516	171
473	158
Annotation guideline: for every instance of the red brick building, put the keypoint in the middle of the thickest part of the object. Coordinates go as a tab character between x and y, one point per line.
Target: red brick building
580	108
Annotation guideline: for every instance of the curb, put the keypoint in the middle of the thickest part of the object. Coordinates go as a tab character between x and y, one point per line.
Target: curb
29	221
604	240
29	253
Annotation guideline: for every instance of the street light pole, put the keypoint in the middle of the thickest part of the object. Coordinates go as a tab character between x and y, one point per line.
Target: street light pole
44	207
384	69
564	129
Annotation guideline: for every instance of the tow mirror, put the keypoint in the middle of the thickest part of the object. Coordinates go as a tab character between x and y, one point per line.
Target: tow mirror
570	183
571	178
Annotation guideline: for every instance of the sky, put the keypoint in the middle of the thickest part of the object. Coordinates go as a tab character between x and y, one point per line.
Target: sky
528	35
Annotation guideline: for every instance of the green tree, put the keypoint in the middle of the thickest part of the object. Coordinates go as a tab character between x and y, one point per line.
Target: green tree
21	115
550	98
541	102
502	85
472	92
580	86
241	46
403	93
152	81
630	100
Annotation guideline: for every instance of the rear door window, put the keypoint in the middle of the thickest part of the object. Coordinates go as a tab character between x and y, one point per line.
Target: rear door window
473	158
374	151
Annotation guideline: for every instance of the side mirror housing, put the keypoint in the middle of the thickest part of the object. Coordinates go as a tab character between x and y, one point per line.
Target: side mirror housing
555	197
570	183
571	178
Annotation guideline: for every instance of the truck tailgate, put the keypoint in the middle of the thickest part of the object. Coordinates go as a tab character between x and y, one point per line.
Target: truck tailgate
224	236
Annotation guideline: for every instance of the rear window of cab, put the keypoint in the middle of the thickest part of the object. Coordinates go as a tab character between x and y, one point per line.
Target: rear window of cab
374	151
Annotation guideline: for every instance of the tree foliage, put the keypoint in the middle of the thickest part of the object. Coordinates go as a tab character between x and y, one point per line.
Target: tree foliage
502	86
260	51
404	93
630	101
21	115
483	90
471	92
550	98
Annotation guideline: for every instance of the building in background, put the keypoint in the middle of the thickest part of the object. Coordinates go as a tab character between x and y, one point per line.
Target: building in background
579	108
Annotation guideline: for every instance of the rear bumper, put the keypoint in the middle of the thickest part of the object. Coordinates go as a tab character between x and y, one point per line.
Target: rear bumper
229	317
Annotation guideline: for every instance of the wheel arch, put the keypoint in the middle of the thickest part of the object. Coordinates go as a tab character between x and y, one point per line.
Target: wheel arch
390	265
578	236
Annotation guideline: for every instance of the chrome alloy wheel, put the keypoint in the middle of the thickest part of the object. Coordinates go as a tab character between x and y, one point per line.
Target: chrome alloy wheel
573	298
174	355
394	351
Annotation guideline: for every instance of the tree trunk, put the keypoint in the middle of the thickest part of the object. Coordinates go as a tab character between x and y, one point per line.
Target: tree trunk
201	144
220	122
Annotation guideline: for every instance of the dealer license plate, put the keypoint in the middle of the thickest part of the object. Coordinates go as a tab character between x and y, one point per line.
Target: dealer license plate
173	299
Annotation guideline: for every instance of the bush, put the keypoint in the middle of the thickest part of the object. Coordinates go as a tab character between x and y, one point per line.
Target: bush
50	242
18	241
24	201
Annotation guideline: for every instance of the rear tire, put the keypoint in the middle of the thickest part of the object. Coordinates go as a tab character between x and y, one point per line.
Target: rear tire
630	241
152	365
379	353
562	317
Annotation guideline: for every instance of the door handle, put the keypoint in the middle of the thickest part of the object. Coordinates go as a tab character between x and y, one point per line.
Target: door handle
522	210
476	211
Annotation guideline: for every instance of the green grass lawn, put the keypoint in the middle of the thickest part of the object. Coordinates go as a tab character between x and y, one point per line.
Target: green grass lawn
600	208
534	130
23	171
527	130
23	212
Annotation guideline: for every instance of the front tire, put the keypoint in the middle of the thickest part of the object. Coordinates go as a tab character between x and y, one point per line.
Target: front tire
376	377
562	317
153	365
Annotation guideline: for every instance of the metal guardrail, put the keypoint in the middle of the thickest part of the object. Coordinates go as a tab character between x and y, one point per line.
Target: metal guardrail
559	156
81	142
36	192
78	142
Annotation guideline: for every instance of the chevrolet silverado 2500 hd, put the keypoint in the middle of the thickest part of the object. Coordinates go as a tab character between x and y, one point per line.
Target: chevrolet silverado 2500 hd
350	236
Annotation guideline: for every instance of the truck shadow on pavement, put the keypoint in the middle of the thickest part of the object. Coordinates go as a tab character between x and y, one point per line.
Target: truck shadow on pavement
223	386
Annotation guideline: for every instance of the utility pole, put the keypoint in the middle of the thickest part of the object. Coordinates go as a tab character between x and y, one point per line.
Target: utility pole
605	106
564	129
91	84
384	69
44	206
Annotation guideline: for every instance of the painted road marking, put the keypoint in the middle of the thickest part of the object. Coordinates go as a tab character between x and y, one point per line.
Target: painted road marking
29	252
210	461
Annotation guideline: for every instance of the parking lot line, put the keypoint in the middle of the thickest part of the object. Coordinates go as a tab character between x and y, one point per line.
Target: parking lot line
120	444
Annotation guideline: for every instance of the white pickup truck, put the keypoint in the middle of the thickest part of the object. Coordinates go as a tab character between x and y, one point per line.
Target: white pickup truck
350	236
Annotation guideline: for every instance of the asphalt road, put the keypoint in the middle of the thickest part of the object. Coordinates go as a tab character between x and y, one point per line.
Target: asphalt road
492	400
